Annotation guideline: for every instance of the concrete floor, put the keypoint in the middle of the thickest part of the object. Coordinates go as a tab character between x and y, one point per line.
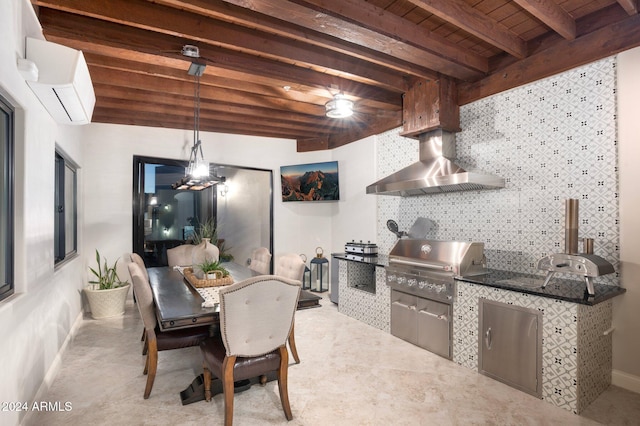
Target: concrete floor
350	374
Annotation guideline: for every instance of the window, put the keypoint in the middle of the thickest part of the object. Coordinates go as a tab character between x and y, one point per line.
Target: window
6	198
66	217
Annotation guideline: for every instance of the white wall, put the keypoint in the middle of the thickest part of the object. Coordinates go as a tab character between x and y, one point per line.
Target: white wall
626	338
298	227
36	321
354	217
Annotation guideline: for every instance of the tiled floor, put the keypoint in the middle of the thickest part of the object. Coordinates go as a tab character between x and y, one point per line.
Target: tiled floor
350	374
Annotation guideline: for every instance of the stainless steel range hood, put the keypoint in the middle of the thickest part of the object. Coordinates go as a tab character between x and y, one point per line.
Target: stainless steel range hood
434	173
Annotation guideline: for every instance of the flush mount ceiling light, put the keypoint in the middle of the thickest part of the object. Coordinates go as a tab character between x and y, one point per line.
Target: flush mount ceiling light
339	107
197	174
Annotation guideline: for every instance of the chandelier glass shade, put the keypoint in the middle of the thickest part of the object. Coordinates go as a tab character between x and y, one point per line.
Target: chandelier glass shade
339	107
197	173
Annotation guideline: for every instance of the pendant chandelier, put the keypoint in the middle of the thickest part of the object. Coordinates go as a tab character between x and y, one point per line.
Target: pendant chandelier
197	173
339	107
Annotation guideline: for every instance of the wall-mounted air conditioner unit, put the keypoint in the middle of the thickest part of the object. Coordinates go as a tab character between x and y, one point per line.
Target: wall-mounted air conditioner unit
64	85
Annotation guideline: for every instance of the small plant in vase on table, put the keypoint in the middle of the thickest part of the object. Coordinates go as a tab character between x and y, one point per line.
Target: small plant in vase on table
212	269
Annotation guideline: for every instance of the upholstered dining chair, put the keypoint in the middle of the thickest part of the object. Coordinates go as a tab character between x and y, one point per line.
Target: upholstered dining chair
256	316
157	340
291	266
135	257
260	262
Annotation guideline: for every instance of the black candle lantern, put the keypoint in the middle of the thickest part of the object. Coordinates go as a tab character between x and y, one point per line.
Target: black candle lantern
320	272
306	277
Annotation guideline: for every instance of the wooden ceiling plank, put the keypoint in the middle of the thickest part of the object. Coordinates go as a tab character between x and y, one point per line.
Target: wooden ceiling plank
206	115
549	12
630	6
186	123
161	84
271	74
462	15
109	92
562	56
243	16
241	82
200	29
376	29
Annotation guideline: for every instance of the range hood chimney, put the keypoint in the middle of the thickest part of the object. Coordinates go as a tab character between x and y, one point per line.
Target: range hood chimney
435	172
431	114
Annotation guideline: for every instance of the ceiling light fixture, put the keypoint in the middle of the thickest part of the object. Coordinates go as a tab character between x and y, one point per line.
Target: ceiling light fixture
197	174
339	107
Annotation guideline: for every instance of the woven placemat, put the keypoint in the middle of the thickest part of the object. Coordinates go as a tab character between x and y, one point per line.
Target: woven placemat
198	283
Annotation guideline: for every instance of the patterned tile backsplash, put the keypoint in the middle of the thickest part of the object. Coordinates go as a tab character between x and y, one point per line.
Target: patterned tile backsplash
550	140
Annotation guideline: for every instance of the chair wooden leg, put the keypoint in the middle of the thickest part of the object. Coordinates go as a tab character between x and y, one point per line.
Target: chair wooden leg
282	382
292	346
152	364
228	388
207	383
263	380
145	345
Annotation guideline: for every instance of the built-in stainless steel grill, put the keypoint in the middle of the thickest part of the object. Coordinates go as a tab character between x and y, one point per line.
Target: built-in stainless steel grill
427	268
421	274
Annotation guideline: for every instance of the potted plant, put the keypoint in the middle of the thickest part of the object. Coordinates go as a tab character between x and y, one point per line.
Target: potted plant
106	294
212	269
207	231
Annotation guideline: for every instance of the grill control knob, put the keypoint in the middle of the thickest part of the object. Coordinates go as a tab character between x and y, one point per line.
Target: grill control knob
412	282
401	280
422	285
391	277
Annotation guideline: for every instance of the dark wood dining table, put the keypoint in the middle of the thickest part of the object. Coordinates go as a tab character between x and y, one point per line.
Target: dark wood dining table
180	305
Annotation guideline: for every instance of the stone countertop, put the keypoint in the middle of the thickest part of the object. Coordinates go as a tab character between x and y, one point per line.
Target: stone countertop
558	288
381	260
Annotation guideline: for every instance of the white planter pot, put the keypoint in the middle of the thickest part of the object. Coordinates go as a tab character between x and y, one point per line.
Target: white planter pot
106	303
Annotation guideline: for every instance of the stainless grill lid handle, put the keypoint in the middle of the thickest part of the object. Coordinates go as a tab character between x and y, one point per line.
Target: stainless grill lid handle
427	265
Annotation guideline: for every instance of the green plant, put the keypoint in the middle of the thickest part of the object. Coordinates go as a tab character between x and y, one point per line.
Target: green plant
205	230
106	276
209	266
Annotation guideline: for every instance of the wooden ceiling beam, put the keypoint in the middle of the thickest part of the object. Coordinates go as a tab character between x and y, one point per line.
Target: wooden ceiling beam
354	133
562	56
549	12
630	6
105	91
382	32
186	123
460	14
207	115
165	85
200	29
242	16
108	39
242	83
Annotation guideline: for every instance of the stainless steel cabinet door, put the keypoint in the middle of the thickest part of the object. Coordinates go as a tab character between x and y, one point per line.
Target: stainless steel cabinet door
403	316
510	344
434	324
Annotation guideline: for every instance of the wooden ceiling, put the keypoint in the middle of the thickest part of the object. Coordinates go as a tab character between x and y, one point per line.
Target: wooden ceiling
272	65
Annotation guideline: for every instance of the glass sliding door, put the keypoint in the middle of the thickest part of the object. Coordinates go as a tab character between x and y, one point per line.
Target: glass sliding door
164	217
241	208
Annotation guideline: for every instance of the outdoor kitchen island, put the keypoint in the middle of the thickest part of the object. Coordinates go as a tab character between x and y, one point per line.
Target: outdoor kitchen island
576	358
575	345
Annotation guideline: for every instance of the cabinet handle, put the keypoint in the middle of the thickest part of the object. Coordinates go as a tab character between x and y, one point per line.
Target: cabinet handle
436	316
487	338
